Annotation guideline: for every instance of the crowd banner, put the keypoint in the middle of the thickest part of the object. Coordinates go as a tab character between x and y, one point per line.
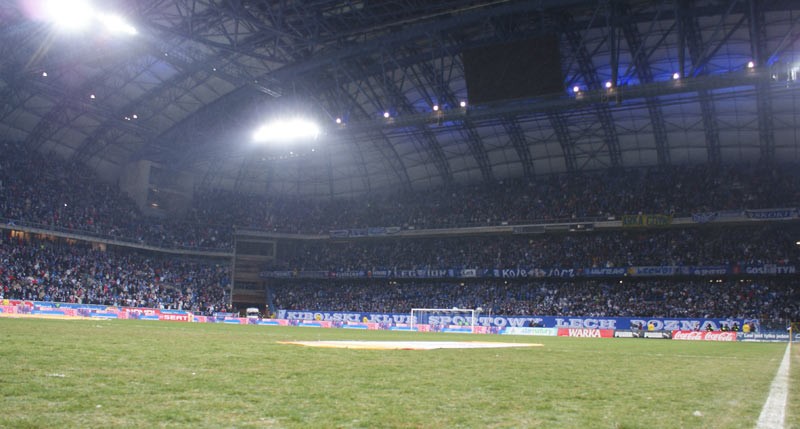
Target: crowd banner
646	220
765	269
604	272
540	273
654	271
705	217
339	233
787	213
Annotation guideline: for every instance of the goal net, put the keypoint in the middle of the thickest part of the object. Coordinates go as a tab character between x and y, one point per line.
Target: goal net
437	319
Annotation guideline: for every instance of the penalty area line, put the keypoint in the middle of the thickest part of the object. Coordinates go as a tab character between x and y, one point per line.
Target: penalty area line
774	412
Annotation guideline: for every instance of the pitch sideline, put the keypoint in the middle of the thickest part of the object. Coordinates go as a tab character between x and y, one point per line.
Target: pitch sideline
773	415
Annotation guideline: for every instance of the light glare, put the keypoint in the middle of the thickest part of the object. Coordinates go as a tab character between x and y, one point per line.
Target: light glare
116	25
286	130
69	15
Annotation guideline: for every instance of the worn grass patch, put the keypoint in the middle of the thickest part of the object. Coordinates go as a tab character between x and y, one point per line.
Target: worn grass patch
156	374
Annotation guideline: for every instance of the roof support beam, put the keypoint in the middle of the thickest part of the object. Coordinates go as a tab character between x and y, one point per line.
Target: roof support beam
758	44
691	38
473	139
559	125
589	74
517	137
645	75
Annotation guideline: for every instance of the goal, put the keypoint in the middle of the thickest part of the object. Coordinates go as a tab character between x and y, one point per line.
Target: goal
439	318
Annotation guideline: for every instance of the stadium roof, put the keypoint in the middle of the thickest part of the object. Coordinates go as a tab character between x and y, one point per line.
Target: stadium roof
188	89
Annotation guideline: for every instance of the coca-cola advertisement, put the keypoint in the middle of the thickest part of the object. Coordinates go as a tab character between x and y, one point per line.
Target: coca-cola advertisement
704	335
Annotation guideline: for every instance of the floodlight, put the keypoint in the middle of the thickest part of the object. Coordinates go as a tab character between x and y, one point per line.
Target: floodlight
609	85
92	96
70	15
676	75
576	89
286	130
44	74
116	25
750	64
135	116
435	107
463	104
386	115
338	120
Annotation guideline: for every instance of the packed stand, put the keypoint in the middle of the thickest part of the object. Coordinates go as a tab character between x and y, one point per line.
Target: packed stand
769	300
756	243
53	194
63	195
677	191
77	273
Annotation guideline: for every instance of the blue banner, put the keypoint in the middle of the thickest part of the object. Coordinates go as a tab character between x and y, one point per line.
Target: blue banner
789	213
540	273
765	269
604	272
582	322
654	271
704	217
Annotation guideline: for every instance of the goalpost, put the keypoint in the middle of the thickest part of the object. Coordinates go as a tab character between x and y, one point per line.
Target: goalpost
442	317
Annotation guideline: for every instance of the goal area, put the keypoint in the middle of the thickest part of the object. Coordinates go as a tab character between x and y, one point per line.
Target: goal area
436	319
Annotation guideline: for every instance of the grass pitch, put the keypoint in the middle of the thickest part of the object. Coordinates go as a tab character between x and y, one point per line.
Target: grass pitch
57	373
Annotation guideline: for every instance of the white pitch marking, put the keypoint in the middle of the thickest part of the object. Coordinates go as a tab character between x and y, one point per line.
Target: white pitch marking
774	412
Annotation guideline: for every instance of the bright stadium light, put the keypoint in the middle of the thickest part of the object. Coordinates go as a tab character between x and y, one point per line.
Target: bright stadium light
69	15
286	130
116	25
78	15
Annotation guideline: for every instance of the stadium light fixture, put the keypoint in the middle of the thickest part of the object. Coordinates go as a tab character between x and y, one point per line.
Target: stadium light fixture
676	76
44	74
463	104
78	15
576	89
751	64
286	130
114	24
386	115
609	85
435	107
69	15
339	120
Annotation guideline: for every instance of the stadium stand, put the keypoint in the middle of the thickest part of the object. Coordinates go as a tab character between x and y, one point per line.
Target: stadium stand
58	196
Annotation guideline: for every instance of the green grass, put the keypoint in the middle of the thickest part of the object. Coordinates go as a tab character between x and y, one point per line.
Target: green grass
56	373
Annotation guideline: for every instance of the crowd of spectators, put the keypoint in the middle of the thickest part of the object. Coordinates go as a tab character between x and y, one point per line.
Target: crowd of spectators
59	194
58	271
754	243
678	191
769	300
48	192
